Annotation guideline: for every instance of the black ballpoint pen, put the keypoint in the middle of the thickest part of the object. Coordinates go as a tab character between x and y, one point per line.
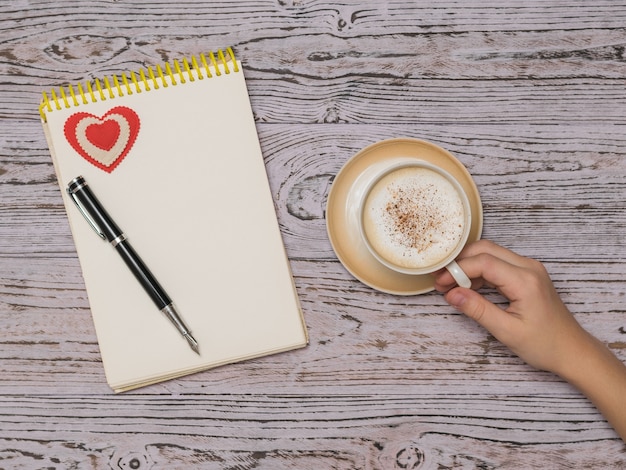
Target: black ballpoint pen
104	226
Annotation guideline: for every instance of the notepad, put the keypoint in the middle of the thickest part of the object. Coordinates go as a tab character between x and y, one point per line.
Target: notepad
173	154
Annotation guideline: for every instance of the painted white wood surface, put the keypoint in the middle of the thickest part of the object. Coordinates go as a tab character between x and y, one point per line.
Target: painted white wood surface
530	96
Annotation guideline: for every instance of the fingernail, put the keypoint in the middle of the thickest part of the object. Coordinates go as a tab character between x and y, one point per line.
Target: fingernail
456	298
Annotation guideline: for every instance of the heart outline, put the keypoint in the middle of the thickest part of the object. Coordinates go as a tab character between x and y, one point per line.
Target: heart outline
75	130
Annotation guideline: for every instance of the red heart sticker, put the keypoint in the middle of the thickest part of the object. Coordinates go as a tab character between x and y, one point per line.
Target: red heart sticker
103	141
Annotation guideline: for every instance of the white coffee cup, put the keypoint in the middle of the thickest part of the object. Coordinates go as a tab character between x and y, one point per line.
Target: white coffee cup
415	219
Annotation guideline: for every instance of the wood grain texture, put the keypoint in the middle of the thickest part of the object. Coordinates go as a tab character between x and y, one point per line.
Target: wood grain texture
528	95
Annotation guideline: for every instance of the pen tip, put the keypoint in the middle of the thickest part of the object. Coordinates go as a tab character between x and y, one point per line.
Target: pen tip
193	343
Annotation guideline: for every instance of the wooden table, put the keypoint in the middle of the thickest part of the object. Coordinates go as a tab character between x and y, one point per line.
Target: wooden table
530	96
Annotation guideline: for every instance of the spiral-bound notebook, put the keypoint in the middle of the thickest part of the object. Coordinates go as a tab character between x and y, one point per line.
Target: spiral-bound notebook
173	155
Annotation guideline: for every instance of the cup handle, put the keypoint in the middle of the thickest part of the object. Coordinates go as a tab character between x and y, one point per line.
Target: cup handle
459	275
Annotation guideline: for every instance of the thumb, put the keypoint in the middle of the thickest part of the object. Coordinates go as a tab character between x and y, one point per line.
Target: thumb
476	307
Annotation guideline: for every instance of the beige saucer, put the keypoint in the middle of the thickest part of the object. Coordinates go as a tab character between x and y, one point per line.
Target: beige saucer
342	210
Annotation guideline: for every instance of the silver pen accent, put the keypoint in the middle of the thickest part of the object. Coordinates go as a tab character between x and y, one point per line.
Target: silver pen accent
170	312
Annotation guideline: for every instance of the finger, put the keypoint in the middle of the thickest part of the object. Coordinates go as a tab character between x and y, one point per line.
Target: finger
444	281
491	248
486	268
498	322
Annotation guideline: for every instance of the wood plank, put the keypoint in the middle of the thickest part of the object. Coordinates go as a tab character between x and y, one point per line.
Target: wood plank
529	96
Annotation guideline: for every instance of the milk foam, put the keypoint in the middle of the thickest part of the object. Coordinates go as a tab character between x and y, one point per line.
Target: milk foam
414	217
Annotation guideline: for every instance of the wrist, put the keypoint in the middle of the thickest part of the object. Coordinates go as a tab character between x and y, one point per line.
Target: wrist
601	376
579	357
587	363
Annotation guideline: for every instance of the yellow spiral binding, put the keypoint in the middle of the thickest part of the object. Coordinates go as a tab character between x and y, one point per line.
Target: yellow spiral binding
131	82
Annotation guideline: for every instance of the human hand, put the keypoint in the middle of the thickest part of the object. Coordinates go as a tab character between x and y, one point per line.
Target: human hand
536	325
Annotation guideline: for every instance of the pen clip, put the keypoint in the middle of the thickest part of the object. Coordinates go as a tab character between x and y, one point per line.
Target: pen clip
82	210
